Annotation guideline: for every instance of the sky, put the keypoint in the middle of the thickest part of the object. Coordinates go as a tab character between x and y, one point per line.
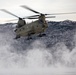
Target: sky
43	6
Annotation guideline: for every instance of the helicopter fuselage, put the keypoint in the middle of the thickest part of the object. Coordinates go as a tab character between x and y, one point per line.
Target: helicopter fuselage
31	28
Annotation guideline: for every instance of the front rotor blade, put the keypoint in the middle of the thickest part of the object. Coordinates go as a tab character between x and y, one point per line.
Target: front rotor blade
11	20
47	14
30	9
50	17
33	16
9	12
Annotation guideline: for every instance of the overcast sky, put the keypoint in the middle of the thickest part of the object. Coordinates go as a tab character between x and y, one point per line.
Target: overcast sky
44	6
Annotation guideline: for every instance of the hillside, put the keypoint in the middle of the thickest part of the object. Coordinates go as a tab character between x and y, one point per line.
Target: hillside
57	32
57	47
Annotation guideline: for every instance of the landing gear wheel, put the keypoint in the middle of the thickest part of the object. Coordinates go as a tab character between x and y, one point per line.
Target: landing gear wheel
18	36
41	35
29	38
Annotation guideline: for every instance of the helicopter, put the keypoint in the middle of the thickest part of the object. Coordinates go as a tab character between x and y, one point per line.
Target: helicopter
37	27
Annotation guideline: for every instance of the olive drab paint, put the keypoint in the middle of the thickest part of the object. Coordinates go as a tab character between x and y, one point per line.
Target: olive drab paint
32	28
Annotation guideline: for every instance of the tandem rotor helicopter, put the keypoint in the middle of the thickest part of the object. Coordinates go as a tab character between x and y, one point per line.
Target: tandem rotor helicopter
37	27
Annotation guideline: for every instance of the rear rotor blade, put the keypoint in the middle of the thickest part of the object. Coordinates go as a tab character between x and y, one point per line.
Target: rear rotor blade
36	17
63	13
33	18
9	12
30	9
24	6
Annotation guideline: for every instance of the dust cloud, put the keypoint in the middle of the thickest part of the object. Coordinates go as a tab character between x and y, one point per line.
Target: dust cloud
37	60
